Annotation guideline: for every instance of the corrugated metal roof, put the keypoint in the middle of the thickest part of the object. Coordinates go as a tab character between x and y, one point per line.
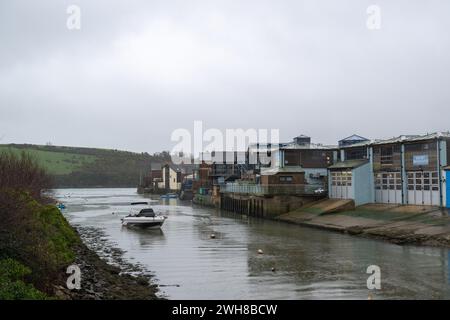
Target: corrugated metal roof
348	164
264	147
402	139
273	171
312	146
359	144
430	136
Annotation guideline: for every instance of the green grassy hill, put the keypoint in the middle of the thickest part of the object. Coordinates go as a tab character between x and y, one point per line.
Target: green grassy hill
90	167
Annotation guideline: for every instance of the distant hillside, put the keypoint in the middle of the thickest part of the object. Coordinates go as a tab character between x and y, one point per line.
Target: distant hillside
90	167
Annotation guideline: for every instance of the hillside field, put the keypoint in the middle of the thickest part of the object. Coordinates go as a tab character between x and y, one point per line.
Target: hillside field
90	167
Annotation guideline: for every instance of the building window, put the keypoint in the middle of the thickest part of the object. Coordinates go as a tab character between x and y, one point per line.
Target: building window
421	156
359	153
387	156
341	178
286	179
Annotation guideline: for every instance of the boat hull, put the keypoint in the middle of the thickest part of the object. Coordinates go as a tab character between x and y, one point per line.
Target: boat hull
143	223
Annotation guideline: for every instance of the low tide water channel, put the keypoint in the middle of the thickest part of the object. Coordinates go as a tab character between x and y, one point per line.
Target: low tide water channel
298	262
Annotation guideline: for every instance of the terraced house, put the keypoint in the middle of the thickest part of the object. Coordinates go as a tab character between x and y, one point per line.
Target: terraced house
403	170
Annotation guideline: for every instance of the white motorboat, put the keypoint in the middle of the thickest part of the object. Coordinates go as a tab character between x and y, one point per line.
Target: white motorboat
145	218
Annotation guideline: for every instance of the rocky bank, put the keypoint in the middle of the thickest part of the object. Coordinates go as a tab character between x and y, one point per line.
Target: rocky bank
104	272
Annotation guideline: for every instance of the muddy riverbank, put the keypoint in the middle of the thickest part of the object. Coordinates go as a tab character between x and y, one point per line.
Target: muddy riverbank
399	224
105	275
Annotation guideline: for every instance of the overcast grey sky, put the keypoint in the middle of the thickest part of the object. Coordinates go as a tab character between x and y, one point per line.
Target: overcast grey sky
137	70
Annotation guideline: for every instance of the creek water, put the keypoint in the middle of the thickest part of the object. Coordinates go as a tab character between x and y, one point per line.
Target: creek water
308	263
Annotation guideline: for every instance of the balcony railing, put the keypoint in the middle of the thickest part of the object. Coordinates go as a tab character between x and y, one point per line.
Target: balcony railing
280	189
225	172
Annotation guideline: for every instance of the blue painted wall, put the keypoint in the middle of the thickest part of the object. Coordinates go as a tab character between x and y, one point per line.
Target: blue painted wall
363	185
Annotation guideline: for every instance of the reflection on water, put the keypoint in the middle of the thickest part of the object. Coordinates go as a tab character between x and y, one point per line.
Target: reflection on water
298	262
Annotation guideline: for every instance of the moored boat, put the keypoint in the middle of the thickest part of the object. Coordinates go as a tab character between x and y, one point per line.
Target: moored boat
169	196
60	206
146	218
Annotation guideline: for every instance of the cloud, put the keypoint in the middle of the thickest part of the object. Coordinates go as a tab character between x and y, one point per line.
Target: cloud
137	70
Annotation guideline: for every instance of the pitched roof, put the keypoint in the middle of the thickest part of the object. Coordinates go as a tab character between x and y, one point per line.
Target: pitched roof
354	137
348	164
358	144
311	146
273	171
413	138
183	168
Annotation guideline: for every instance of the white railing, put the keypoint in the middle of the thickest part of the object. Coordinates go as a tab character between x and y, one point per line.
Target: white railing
257	189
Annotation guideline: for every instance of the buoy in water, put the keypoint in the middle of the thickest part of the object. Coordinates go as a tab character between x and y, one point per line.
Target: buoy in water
273	269
212	236
260	251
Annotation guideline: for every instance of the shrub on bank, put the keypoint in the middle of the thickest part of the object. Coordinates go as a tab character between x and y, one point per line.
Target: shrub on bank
36	240
12	282
37	236
21	172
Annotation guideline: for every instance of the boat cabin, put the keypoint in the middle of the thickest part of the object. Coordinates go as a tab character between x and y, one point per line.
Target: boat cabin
148	212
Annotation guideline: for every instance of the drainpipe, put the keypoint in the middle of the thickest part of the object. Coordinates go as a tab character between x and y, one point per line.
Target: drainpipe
372	181
404	177
439	172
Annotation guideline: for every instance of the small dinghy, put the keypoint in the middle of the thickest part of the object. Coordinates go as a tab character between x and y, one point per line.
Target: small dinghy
60	206
146	218
169	196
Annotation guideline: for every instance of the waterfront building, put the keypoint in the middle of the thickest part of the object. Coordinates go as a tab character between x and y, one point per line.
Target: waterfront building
295	174
313	159
291	167
402	170
150	181
172	176
350	179
215	170
154	177
351	175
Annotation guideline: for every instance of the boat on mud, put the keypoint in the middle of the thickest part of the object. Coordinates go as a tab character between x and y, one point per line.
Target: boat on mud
145	218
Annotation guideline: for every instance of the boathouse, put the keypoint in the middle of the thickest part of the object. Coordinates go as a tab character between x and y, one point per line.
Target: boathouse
403	170
313	159
351	179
